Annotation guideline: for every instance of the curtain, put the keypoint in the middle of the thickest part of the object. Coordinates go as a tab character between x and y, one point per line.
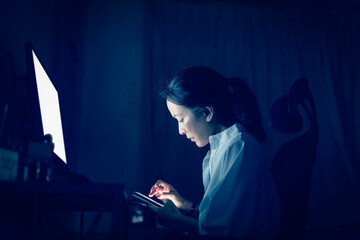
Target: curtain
269	46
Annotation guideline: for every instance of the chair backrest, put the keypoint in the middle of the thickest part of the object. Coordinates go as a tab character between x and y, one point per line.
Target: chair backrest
292	163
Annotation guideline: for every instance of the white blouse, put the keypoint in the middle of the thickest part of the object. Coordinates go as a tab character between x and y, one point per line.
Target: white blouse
240	198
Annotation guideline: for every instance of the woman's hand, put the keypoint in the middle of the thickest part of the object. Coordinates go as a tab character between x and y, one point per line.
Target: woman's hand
163	191
169	216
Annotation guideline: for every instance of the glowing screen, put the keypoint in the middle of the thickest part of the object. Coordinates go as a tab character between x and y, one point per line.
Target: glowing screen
49	108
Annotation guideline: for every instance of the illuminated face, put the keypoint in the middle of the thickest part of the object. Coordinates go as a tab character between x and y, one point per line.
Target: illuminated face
196	128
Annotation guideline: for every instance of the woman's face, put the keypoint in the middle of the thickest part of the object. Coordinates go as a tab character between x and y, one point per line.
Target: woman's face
196	128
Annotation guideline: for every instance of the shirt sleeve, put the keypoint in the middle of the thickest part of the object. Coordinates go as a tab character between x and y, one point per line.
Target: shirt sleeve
230	203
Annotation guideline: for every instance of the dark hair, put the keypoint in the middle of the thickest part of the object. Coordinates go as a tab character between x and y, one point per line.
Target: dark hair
231	98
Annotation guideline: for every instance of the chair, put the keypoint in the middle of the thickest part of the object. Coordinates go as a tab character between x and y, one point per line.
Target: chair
292	163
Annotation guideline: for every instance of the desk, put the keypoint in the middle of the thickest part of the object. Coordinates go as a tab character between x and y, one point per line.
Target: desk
37	198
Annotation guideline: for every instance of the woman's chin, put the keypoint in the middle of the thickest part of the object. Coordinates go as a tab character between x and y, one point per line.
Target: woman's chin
200	144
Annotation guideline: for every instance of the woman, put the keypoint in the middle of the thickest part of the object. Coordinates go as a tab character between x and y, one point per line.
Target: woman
240	199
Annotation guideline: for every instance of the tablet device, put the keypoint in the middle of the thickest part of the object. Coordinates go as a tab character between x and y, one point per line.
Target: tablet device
145	199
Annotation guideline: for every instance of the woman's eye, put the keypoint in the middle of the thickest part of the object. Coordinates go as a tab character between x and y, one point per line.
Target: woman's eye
182	120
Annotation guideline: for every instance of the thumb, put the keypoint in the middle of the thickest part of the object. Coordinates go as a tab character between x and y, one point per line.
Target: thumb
164	196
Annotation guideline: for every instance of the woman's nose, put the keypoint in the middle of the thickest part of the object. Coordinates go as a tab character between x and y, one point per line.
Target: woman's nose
181	130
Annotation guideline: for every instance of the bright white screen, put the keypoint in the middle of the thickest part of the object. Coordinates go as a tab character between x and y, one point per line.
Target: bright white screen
49	108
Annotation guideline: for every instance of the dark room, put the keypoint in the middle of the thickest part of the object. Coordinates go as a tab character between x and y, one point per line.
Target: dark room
237	117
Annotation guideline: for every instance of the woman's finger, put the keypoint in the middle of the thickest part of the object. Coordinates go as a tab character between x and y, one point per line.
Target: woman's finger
165	195
153	190
158	188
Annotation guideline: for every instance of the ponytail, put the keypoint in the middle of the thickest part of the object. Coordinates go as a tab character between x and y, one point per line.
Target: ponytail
245	108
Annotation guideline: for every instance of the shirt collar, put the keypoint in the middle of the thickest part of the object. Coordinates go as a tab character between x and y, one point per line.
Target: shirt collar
217	139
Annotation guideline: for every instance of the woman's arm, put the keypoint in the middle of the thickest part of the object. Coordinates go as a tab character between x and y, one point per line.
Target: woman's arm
170	216
163	190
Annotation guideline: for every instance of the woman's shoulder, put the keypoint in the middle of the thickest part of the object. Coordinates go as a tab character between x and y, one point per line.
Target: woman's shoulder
243	138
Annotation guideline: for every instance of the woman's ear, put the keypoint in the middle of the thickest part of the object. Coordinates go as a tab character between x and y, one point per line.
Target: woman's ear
209	113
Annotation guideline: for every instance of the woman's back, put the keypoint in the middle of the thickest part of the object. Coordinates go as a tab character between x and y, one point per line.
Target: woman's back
240	198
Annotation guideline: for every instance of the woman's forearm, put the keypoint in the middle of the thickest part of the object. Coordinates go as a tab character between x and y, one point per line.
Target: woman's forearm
179	222
186	204
187	224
